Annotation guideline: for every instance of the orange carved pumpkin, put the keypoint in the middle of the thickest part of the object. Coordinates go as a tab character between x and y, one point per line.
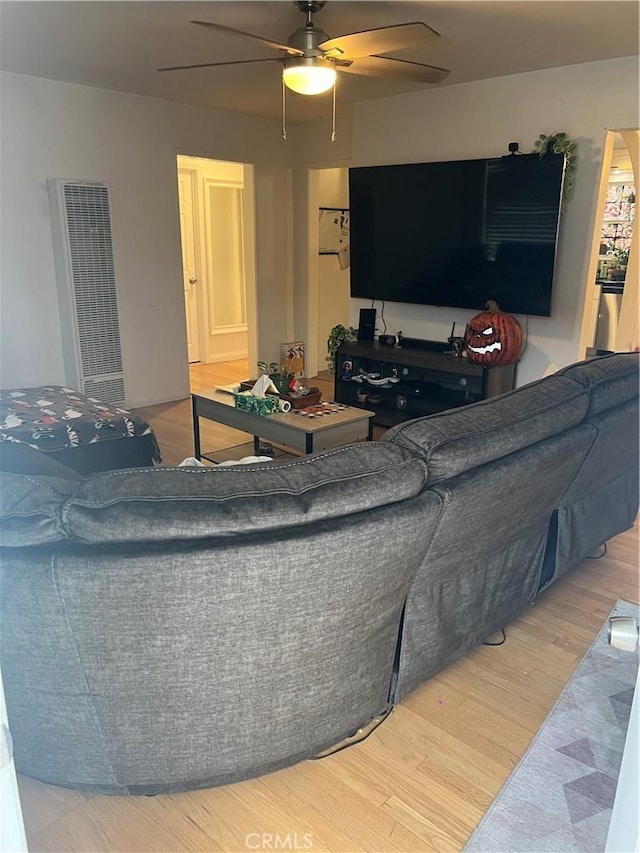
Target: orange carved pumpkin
493	337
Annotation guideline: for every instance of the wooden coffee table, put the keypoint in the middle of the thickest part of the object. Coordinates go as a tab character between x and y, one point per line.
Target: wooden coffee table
293	431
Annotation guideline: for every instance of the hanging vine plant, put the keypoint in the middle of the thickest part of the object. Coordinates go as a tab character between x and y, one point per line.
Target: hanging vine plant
560	143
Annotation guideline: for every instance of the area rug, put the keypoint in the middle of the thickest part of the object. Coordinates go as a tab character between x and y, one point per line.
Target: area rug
559	796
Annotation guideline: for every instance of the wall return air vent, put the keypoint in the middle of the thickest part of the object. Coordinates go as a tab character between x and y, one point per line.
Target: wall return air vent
81	226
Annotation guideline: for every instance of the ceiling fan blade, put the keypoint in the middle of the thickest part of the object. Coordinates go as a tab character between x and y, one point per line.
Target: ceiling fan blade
399	69
213	64
293	51
381	40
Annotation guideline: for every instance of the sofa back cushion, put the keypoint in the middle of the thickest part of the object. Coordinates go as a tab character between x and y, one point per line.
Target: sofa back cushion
157	667
460	439
483	564
162	504
602	499
611	380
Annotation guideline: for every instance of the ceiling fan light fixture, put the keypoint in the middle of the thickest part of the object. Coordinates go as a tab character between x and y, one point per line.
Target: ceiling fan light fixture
309	75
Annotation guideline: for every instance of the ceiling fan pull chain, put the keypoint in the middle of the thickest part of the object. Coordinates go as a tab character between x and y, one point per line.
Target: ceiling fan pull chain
284	110
333	115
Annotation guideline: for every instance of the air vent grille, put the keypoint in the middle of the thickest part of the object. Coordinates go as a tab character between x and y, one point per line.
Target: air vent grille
94	285
110	390
83	249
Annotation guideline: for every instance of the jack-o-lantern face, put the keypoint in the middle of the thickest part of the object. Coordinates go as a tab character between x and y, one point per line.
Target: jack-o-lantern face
493	337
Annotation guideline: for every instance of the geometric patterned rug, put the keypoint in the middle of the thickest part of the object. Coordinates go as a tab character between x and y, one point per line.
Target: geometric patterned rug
559	796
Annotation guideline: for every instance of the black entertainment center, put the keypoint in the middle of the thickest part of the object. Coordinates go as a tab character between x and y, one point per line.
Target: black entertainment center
399	383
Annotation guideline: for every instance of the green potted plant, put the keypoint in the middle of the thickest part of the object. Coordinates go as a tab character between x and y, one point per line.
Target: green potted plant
560	143
337	335
278	373
621	256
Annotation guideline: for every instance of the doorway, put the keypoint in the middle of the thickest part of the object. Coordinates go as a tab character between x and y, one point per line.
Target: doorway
328	276
610	319
218	258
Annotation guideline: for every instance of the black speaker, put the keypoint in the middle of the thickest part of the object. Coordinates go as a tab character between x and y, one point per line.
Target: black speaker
367	324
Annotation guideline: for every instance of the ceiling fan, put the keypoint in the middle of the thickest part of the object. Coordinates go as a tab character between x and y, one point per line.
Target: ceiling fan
311	58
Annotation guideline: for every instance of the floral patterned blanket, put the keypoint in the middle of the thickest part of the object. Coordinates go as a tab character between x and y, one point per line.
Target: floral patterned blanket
51	418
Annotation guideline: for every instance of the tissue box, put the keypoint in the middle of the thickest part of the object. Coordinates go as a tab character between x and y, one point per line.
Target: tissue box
256	405
310	399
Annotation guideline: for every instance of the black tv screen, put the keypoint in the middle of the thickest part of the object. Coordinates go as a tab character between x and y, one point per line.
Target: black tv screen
457	233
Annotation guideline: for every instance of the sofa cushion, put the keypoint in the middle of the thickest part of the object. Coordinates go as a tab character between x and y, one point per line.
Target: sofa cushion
31	508
611	380
161	504
460	439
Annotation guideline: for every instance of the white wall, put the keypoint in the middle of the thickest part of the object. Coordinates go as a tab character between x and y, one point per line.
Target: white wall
52	129
59	130
479	120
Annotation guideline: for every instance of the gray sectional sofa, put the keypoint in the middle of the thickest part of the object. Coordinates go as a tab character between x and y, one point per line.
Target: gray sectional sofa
165	629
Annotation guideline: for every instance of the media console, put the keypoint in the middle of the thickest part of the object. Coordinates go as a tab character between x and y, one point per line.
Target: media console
399	383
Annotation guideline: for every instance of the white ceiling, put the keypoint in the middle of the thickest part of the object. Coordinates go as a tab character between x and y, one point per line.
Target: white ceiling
119	45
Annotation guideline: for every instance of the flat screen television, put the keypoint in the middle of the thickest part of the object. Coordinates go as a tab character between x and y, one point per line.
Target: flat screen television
457	233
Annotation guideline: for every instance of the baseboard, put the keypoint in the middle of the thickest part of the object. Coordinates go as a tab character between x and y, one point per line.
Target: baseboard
227	356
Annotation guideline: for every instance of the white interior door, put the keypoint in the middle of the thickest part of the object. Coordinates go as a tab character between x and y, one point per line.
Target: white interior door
226	315
190	273
218	247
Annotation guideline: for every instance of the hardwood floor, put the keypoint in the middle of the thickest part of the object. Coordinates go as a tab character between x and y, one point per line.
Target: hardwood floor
203	376
172	422
420	782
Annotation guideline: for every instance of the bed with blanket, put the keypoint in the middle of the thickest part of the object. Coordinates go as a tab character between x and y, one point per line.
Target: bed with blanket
81	432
